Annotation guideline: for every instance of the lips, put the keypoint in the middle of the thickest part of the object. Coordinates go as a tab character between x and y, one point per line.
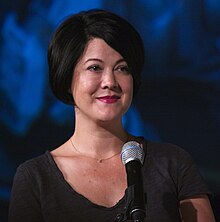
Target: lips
108	99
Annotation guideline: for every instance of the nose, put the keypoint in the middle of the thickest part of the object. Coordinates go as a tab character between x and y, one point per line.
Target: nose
109	80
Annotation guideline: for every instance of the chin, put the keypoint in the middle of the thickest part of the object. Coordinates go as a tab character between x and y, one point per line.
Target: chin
109	117
106	119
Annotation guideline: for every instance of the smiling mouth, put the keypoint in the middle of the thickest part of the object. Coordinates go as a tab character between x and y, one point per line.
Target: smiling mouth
108	99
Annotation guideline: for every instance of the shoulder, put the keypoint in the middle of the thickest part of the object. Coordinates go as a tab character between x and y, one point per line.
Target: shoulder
174	161
166	151
39	161
169	159
36	167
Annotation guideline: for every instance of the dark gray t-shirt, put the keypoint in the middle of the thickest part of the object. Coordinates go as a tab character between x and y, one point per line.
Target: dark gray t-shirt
40	192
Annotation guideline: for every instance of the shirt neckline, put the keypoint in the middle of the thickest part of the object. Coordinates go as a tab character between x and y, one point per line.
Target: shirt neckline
69	187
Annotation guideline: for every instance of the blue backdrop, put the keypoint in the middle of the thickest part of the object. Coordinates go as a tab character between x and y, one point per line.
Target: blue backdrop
179	101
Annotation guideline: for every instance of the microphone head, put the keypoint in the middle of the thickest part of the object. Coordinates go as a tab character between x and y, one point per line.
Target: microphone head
132	150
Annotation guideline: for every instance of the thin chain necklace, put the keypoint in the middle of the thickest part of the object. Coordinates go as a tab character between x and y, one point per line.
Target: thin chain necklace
99	160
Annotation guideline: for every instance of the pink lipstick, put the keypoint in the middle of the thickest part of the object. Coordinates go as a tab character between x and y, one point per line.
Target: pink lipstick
108	99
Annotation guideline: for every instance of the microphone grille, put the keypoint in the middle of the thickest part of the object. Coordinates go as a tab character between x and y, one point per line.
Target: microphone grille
132	151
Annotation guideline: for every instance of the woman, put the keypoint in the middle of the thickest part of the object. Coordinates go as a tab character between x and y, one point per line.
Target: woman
95	61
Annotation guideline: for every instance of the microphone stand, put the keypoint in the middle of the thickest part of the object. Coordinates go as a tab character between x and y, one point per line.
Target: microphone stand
134	195
133	211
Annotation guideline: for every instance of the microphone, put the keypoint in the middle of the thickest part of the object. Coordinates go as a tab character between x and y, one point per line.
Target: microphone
132	156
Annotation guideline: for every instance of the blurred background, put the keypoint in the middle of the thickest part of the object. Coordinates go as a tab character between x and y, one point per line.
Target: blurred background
179	101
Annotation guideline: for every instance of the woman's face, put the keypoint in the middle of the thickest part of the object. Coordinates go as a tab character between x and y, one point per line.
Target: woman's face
102	85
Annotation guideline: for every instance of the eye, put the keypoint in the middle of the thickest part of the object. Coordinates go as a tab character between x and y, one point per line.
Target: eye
123	69
94	68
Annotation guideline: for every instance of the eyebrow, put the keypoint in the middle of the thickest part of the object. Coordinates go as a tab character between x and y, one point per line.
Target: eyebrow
99	60
93	59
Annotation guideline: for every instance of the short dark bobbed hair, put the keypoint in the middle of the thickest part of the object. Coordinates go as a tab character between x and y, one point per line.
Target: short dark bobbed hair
70	40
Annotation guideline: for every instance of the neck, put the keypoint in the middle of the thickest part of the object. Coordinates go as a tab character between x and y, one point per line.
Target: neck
99	140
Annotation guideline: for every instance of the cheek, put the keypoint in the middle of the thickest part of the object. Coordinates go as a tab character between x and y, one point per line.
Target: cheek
89	85
83	85
127	85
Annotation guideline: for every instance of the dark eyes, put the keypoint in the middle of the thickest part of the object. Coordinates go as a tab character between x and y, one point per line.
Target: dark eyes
120	68
123	69
95	68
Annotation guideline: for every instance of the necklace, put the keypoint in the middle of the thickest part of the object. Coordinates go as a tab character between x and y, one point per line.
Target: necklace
99	160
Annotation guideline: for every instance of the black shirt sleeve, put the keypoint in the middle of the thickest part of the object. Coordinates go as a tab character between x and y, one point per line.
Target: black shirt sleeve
190	182
24	203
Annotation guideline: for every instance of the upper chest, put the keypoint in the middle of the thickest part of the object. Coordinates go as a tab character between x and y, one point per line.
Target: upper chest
102	183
